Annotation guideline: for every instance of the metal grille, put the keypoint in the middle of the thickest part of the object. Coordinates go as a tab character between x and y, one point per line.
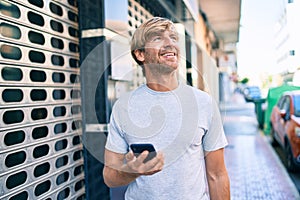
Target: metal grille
40	101
136	16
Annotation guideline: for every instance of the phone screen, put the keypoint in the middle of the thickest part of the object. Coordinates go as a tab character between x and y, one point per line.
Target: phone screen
139	148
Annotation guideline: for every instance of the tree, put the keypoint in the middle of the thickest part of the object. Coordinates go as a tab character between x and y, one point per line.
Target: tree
244	80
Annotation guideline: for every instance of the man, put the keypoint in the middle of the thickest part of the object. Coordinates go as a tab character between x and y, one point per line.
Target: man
182	122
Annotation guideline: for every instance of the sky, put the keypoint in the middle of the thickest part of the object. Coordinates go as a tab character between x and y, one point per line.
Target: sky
255	49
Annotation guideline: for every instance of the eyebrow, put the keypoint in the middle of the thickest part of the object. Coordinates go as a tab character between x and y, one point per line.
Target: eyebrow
160	33
154	34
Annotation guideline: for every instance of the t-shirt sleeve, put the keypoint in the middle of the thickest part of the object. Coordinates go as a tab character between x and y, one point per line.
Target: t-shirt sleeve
214	138
115	140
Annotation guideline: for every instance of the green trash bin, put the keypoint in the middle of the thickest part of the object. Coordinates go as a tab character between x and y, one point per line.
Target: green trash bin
260	112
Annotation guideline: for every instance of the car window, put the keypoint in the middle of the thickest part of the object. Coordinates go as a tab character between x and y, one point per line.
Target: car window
297	106
286	104
280	102
286	107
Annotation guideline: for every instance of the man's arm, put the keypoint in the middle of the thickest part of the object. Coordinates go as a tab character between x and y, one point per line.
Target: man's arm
119	173
217	176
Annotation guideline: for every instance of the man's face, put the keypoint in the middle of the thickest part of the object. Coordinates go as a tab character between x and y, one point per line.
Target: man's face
161	52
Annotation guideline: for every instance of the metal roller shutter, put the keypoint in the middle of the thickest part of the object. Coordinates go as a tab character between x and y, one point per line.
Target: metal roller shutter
40	101
137	14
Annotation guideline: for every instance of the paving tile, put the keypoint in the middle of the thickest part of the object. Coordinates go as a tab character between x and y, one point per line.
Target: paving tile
255	171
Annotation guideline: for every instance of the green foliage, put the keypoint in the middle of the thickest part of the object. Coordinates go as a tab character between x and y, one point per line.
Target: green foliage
244	80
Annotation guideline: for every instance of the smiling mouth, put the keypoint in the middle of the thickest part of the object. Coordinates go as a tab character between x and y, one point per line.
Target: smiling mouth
168	54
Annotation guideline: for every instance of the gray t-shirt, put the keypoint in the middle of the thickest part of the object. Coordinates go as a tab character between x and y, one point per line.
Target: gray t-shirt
182	123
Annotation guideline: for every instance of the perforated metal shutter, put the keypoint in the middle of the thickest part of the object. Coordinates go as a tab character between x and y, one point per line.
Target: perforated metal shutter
40	106
137	14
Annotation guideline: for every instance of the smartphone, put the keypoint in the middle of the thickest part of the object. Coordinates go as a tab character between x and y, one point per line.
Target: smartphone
139	148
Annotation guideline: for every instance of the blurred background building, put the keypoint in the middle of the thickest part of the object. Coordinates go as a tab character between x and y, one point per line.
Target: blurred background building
65	62
287	42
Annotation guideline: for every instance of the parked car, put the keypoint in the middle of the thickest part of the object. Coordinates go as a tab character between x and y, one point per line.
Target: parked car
251	93
272	98
285	127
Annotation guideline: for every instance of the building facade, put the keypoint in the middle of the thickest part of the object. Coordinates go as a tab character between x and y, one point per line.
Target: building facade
63	65
287	41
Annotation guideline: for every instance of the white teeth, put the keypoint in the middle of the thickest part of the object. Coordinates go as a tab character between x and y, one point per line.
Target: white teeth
169	54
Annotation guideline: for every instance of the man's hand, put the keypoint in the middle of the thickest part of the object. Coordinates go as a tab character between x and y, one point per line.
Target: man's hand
136	165
117	173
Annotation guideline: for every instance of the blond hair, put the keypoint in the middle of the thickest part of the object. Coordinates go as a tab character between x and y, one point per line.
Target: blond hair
145	31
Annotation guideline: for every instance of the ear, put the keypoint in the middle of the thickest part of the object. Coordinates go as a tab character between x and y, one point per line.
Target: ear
139	55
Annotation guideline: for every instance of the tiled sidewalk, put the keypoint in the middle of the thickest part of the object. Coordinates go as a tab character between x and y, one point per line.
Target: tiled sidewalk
255	170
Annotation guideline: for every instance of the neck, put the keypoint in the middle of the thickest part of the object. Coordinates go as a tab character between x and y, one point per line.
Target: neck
162	83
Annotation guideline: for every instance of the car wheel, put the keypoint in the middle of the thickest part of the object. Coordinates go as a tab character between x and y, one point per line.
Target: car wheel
290	163
274	142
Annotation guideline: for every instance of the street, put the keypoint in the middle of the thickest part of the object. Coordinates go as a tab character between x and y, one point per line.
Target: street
256	169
